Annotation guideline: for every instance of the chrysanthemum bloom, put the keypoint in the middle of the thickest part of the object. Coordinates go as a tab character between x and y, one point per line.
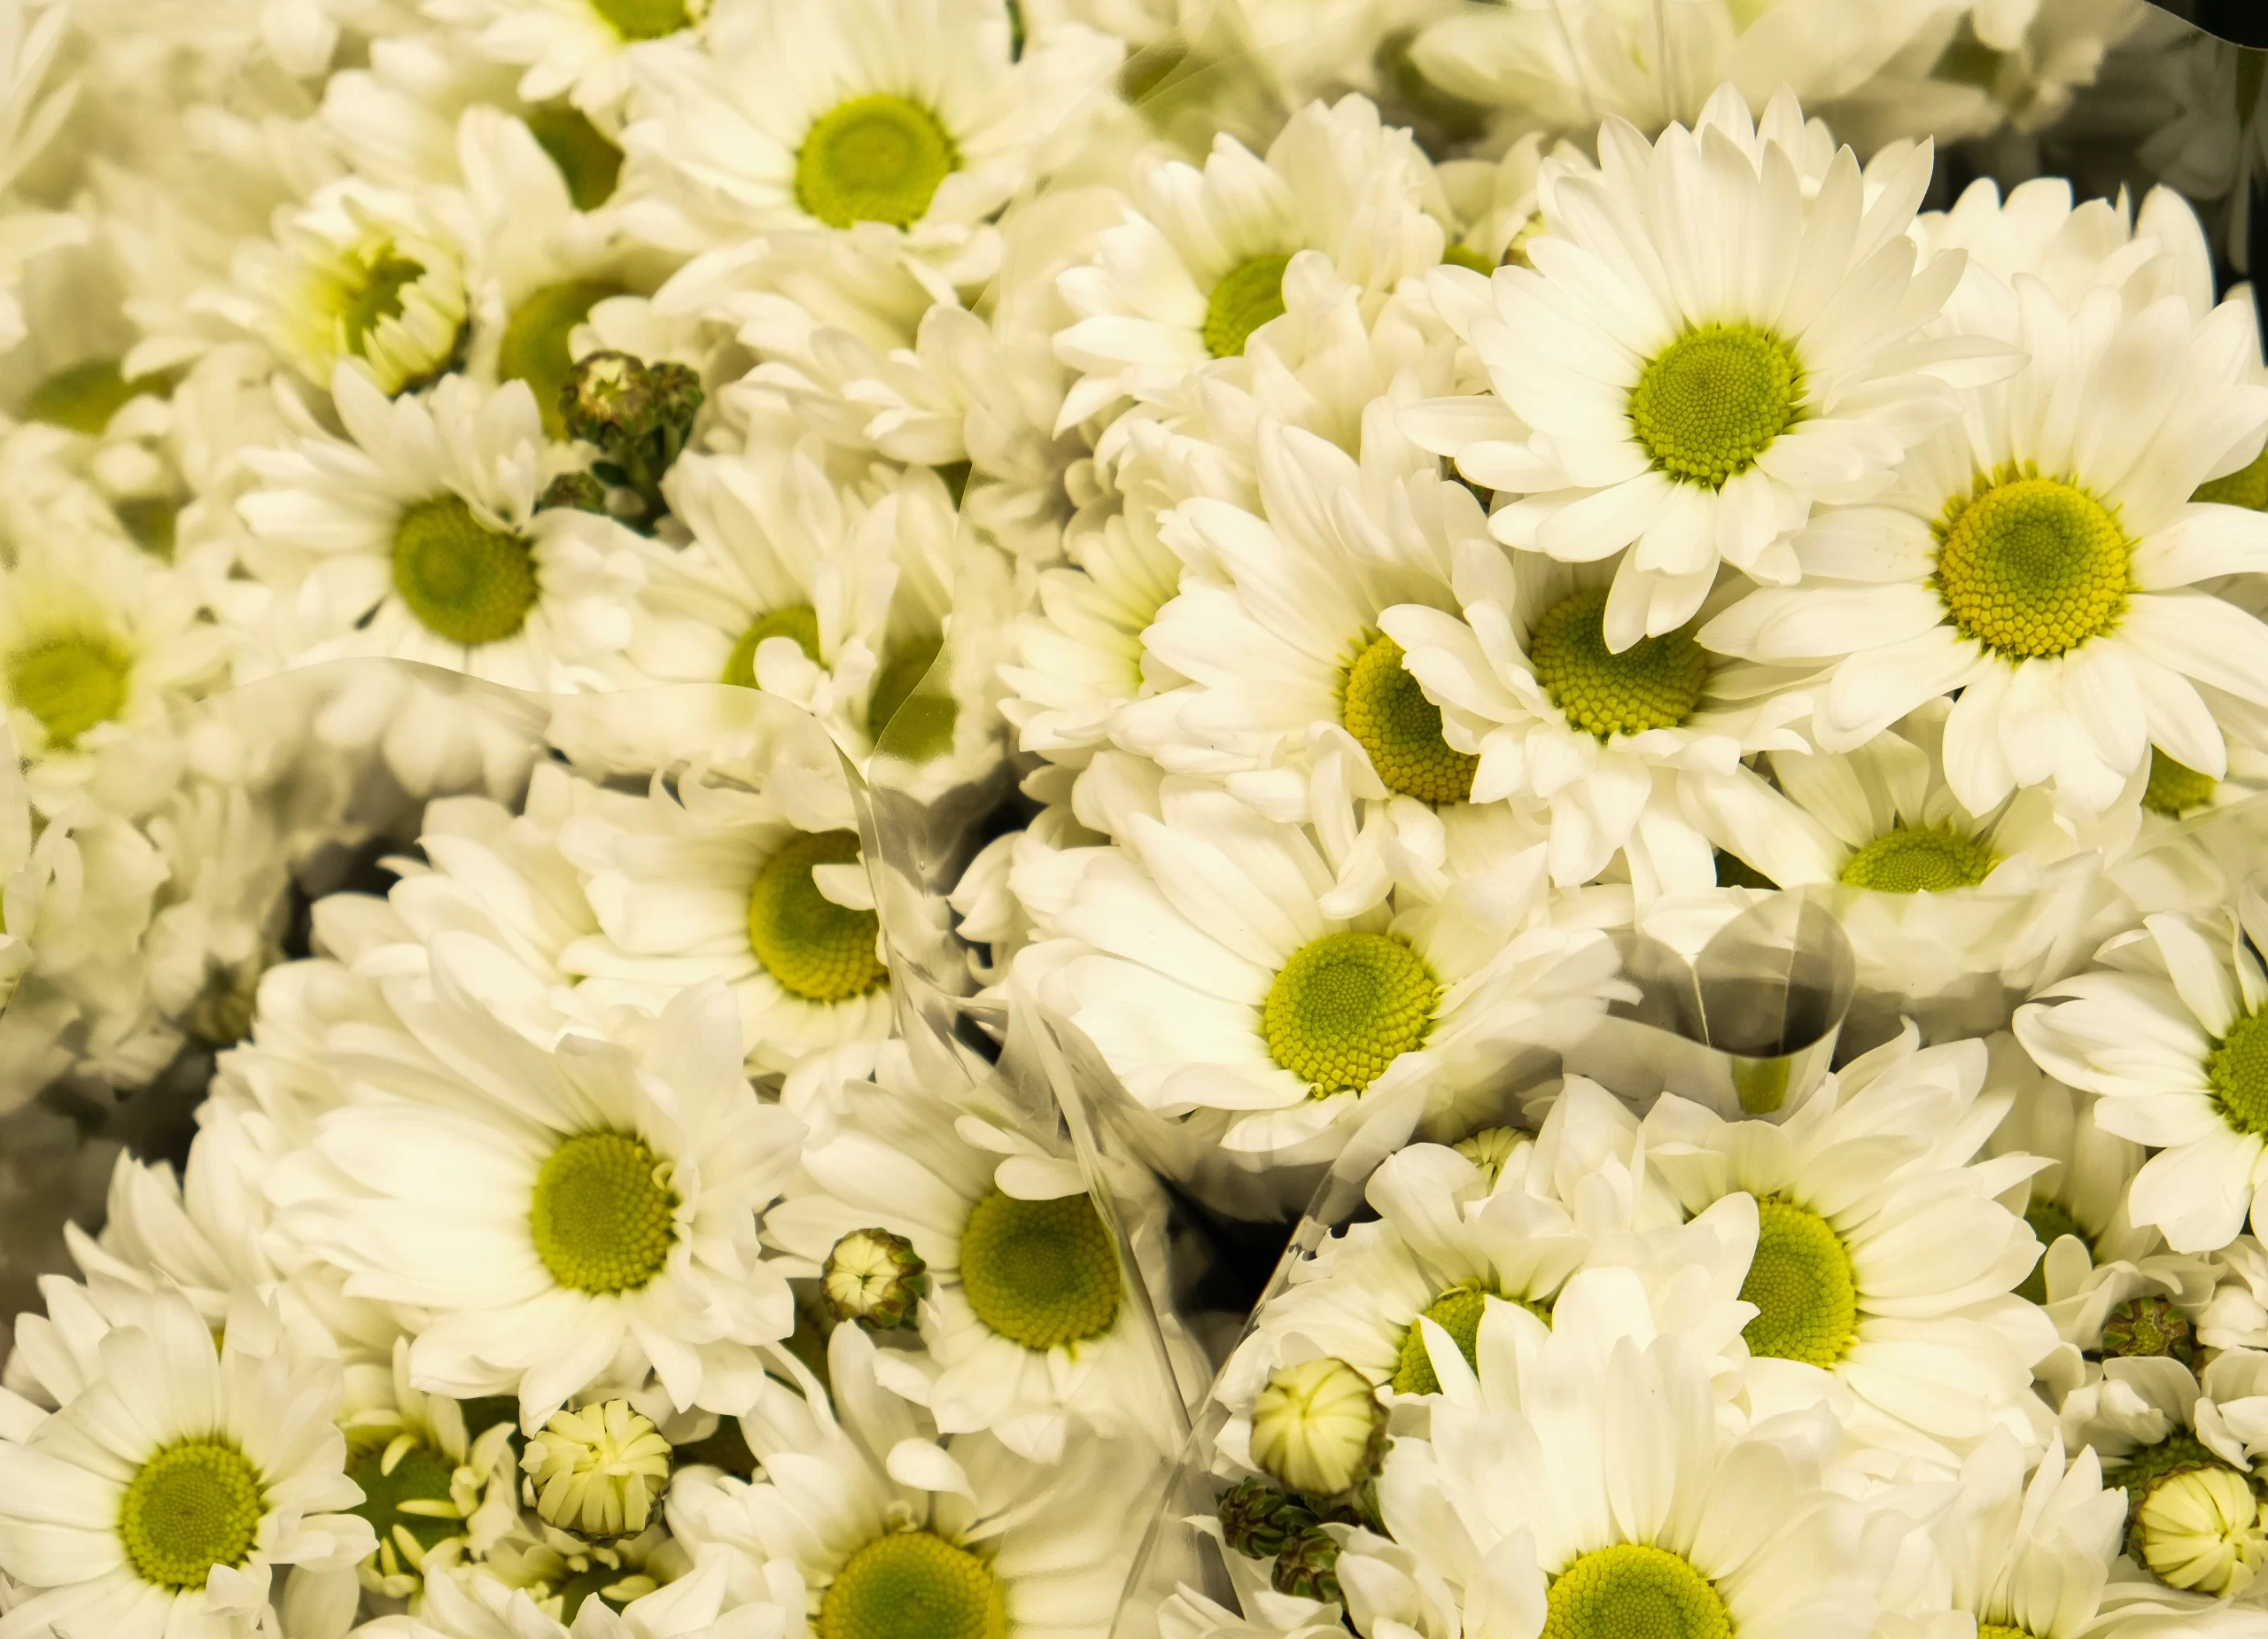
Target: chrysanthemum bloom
1885	1266
577	48
567	1216
1700	350
1618	750
2169	1031
2041	559
2037	1558
765	890
1199	957
1023	1320
862	1514
906	124
1455	1239
2183	1445
417	537
1199	263
171	1489
360	273
1579	1484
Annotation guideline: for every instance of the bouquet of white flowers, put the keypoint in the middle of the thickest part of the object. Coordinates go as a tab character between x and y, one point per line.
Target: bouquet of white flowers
1092	819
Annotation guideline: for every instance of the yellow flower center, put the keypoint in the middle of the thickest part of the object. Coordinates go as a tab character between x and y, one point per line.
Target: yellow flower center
1633	1590
70	682
604	1216
1388	715
2175	788
1248	295
191	1506
642	19
1802	1285
534	346
914	1585
876	159
2237	1072
811	946
1919	859
1346	1007
465	581
2032	566
1654	683
799	621
1713	401
1041	1273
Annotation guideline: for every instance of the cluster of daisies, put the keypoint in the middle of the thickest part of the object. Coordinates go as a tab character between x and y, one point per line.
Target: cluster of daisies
647	646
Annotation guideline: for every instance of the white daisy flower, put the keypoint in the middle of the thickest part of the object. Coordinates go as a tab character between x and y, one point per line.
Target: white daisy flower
1452	1241
577	49
1690	403
171	1489
33	108
1885	1266
1026	1329
907	124
1618	750
1277	626
862	1514
2035	1557
358	274
1199	263
417	537
2166	1030
1578	1483
1198	957
833	596
98	646
2040	560
765	891
2182	1446
2099	1266
569	1216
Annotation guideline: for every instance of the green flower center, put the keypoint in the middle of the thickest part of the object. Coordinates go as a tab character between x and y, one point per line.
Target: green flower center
406	1488
1040	1273
534	347
799	621
642	19
1390	718
465	581
2032	566
1457	1312
2247	486
378	297
2149	1325
2175	787
1346	1005
811	946
1654	683
604	1214
84	397
193	1506
899	676
1465	256
914	1585
875	158
1802	1285
70	682
2050	1222
588	159
1246	297
1633	1590
1919	859
2001	1630
1713	401
2237	1071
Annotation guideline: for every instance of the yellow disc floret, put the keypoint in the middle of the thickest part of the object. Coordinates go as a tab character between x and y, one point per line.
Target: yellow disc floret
1248	295
1654	683
1633	1590
1346	1007
190	1507
1802	1285
465	582
1919	859
1041	1273
812	947
1713	401
913	1585
876	159
1390	718
2030	566
604	1214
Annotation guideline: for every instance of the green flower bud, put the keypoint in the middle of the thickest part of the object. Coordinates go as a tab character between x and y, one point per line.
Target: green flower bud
1260	1522
1310	1568
1318	1427
2150	1325
597	1472
877	1277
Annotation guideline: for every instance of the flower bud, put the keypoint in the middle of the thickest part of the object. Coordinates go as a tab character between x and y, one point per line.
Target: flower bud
877	1277
597	1472
1260	1522
2150	1325
1310	1568
2204	1531
1318	1427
